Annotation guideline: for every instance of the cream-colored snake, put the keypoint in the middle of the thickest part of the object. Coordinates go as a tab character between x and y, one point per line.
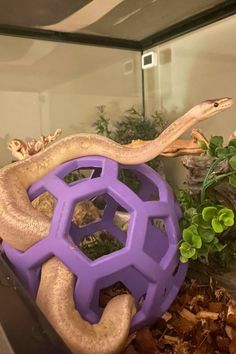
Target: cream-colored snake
22	226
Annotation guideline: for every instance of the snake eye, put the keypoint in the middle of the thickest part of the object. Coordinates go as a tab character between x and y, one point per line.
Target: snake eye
216	104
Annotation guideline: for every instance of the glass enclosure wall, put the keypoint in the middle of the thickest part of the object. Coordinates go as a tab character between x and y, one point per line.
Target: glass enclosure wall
46	85
190	69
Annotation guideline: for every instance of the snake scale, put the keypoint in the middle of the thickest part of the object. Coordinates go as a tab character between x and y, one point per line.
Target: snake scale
22	226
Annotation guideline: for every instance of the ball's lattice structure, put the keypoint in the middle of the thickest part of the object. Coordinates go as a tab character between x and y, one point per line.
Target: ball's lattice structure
147	264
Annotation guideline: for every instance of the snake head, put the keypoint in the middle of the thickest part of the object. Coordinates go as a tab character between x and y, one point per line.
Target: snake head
211	107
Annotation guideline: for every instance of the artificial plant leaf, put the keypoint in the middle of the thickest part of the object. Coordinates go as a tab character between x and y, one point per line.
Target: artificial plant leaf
190	253
185	246
193	229
188	214
232	180
232	143
228	221
221	152
196	241
204	250
187	250
198	221
183	259
207	235
208	213
187	235
232	149
215	142
225	213
217	226
232	162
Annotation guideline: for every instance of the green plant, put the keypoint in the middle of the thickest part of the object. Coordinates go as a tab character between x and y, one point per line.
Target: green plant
135	126
131	127
219	154
201	237
188	203
99	244
225	259
102	123
73	176
204	221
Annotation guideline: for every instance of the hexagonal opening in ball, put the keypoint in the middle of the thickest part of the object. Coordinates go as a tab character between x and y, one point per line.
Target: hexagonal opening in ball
156	244
44	202
82	173
99	244
106	294
103	230
128	280
85	214
139	184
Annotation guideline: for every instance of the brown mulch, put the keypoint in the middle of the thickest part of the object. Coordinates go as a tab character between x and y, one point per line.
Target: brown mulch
202	320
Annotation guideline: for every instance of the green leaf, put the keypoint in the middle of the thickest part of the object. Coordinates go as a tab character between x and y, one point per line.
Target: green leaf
232	149
204	249
215	142
207	235
185	246
232	162
188	214
187	235
208	213
221	152
228	221
226	212
198	220
216	225
189	232
196	241
183	259
187	250
232	180
232	143
191	252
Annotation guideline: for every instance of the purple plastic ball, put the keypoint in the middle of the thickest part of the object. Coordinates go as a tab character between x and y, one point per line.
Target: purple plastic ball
147	264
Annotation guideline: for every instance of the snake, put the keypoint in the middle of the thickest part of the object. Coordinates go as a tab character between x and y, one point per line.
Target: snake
22	226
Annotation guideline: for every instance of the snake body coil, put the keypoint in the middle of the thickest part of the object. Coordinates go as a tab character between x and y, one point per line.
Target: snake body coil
22	226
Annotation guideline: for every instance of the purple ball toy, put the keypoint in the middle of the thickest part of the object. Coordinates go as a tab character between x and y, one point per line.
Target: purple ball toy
148	264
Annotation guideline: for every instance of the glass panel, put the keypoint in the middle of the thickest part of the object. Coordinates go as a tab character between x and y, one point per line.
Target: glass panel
47	85
190	69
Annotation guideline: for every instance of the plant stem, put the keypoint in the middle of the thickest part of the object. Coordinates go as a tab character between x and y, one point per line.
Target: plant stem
225	175
217	178
207	182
